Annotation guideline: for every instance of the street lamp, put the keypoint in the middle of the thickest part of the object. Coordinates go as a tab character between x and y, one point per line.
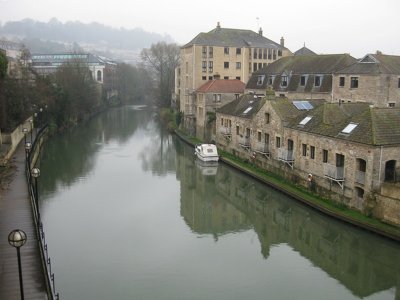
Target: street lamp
25	131
36	173
28	147
31	121
17	238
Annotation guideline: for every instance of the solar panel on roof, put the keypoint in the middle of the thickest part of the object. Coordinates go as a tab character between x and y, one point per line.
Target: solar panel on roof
303	105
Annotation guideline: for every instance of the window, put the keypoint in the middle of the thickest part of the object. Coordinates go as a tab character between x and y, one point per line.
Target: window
237	96
317	81
305	120
269	54
349	128
204	66
210	52
226	65
324	156
266	138
304	149
391	104
226	77
217	97
265	53
210	66
255	53
238	77
238	51
284	81
342	81
398	83
222	121
238	65
259	136
354	82
267	118
312	152
260	51
210	77
203	77
204	51
98	75
260	79
237	129
271	80
254	67
279	52
278	142
226	50
273	54
302	80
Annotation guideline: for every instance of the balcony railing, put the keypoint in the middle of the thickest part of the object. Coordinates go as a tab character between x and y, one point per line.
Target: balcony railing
285	155
225	130
334	172
244	141
360	177
261	147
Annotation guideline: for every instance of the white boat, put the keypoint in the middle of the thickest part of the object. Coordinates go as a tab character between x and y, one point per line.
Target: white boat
207	152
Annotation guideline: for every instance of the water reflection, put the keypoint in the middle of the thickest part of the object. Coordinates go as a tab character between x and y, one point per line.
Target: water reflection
232	202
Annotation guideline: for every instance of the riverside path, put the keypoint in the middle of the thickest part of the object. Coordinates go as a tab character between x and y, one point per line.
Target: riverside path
16	213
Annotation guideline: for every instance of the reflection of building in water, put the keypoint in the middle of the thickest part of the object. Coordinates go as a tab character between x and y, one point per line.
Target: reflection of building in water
229	201
202	207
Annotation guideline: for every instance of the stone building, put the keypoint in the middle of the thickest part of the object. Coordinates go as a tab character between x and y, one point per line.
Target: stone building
223	53
347	152
375	79
209	97
300	77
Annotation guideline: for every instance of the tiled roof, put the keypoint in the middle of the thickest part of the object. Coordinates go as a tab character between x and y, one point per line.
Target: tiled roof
374	64
304	51
375	126
222	86
245	106
228	37
287	110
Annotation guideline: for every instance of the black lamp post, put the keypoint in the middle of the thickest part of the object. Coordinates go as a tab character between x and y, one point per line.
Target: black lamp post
31	121
36	173
17	238
25	131
28	147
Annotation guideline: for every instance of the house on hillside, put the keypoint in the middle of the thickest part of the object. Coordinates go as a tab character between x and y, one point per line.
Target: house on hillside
347	152
300	77
223	53
209	97
375	79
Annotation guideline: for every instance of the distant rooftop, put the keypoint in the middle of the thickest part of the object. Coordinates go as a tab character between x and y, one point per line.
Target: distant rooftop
222	86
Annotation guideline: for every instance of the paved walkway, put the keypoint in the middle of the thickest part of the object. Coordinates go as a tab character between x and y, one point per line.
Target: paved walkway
16	213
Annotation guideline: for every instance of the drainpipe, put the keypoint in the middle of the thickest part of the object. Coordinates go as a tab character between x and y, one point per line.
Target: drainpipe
380	167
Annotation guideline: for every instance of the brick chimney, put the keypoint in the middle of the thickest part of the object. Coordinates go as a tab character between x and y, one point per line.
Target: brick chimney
218	25
282	42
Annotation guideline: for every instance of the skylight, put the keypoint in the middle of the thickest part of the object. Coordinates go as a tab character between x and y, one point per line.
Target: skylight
305	120
248	109
303	105
349	128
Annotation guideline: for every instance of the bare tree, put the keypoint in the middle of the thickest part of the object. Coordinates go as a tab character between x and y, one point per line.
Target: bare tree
162	59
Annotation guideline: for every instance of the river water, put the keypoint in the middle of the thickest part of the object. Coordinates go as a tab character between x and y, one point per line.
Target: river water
129	214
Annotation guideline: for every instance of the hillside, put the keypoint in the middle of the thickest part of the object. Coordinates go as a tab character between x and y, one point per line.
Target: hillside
55	36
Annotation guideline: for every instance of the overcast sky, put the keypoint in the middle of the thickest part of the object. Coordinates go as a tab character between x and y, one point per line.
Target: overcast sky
357	27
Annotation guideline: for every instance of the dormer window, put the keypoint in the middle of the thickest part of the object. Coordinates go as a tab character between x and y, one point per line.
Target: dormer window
260	79
271	80
284	81
317	80
303	80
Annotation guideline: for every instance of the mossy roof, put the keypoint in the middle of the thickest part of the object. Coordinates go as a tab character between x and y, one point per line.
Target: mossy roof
375	126
241	106
374	64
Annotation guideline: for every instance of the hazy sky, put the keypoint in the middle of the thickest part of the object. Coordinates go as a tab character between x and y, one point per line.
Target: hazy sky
357	27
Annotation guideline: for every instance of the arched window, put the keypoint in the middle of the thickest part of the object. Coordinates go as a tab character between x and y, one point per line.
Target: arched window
99	75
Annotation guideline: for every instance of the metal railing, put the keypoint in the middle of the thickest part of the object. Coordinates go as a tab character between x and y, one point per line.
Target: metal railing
50	282
244	140
285	155
262	147
225	130
334	172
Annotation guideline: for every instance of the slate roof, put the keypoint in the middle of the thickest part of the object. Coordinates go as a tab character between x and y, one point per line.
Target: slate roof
304	51
222	86
374	64
375	126
295	66
228	37
241	105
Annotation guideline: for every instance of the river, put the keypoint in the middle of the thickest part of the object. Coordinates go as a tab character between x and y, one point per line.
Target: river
129	214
